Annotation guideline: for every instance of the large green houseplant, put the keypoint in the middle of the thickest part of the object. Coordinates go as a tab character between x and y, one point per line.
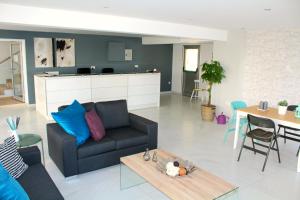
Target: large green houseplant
212	73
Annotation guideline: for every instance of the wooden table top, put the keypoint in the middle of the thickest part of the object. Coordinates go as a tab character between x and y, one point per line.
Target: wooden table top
272	113
200	185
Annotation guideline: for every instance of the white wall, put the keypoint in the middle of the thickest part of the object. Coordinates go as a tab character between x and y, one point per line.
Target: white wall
272	66
177	65
5	68
260	65
231	54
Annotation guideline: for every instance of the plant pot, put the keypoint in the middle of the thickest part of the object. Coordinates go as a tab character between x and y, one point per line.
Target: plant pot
282	110
208	112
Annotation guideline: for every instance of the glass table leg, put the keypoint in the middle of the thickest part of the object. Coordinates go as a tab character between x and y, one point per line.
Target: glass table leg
43	153
232	195
128	178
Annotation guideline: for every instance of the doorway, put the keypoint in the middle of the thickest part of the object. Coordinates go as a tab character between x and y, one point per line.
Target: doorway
11	73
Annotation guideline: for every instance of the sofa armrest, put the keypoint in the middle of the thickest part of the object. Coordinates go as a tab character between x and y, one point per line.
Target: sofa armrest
31	155
62	149
146	126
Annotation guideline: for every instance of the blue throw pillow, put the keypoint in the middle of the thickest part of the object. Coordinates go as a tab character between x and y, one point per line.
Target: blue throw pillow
72	120
10	188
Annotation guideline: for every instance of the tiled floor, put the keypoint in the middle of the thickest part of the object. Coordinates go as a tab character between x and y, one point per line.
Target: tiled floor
182	132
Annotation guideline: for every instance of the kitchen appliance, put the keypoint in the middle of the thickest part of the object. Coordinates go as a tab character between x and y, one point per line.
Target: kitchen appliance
84	70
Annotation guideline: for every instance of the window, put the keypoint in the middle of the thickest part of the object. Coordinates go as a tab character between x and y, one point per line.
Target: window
191	58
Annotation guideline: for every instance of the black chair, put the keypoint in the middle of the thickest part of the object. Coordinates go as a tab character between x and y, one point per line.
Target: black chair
289	132
265	132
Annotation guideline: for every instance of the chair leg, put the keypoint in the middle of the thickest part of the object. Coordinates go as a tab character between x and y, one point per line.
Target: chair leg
241	149
277	150
298	151
192	96
253	146
284	133
267	156
226	136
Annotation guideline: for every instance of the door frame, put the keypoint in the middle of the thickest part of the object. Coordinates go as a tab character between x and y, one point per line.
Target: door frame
24	65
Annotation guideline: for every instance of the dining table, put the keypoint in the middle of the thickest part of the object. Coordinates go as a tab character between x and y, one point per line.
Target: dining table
288	119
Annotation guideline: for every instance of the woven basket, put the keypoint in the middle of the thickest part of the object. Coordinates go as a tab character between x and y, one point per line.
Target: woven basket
208	113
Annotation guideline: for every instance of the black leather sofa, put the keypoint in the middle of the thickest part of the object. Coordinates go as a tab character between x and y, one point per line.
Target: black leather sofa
35	180
126	134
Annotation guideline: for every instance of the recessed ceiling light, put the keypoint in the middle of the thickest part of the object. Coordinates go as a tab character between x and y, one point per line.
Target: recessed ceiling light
267	9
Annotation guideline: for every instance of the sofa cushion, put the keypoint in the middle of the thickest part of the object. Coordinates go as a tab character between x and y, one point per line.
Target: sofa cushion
38	184
91	147
114	114
127	137
72	120
95	125
87	106
10	188
11	159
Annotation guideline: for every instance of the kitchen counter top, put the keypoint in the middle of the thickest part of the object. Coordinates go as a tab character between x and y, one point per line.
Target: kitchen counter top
100	74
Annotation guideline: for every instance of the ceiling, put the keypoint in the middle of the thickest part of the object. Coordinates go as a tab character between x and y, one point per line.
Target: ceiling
225	14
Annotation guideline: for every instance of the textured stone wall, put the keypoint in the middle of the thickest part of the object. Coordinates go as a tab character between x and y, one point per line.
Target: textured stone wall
272	66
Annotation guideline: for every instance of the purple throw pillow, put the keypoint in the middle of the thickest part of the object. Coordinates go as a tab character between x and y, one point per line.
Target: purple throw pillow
95	125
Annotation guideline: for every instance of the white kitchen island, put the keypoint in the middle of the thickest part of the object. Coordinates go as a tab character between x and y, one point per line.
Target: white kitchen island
141	90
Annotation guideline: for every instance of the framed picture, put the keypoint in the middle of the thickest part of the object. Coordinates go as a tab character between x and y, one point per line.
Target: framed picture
65	52
43	52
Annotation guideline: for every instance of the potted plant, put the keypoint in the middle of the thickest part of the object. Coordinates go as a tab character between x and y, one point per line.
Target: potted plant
212	73
282	107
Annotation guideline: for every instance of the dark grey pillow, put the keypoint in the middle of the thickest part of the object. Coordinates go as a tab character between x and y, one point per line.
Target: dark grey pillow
10	159
114	114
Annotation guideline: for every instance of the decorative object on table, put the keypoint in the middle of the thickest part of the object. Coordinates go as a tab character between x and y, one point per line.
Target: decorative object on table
175	167
147	155
65	52
11	159
222	119
282	107
212	73
154	157
13	124
297	112
43	52
263	105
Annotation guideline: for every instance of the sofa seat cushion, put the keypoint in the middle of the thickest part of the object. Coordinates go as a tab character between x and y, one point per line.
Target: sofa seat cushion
127	137
91	147
38	184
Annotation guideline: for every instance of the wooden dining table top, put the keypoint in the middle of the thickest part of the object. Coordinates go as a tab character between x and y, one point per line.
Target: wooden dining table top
271	113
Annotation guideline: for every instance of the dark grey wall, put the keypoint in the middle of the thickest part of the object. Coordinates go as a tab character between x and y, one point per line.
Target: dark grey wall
92	50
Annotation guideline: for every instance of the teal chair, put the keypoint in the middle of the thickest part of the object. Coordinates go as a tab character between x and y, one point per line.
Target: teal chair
235	105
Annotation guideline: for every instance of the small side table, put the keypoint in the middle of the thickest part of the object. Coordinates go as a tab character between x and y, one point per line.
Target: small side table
29	139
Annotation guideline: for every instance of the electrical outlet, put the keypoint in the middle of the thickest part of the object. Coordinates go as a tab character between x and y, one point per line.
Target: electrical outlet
169	82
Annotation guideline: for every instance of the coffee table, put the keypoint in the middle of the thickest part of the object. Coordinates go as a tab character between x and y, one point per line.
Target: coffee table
199	185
